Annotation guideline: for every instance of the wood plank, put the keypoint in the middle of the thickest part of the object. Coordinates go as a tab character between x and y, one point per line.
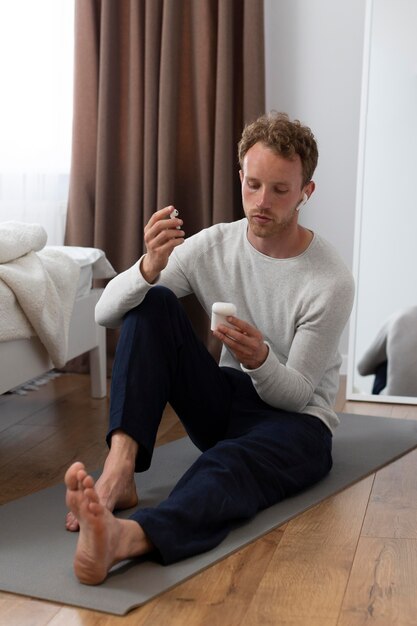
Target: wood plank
307	576
219	595
14	408
20	611
382	587
59	441
382	409
392	510
170	428
69	616
368	408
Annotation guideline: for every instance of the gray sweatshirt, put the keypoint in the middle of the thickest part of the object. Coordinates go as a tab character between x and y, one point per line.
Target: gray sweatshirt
300	304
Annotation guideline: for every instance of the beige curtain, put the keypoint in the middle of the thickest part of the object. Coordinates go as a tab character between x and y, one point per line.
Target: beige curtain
162	91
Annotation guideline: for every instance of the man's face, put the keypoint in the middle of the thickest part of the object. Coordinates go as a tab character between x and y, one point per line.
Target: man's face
271	191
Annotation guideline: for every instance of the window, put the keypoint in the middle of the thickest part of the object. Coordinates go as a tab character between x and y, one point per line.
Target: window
36	74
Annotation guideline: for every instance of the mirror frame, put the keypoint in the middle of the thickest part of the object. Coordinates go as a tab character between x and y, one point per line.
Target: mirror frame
351	394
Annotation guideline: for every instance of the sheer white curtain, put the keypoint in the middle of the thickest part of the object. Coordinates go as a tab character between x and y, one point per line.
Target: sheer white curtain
36	84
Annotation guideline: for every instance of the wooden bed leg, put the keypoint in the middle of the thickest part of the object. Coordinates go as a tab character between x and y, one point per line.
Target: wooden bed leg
98	362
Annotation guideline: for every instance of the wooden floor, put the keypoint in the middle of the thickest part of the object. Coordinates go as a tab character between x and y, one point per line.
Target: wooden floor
349	561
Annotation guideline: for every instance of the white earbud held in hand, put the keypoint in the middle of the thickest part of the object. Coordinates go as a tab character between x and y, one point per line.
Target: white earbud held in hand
173	214
303	201
219	312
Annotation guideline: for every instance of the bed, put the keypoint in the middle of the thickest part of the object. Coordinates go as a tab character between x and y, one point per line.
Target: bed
24	352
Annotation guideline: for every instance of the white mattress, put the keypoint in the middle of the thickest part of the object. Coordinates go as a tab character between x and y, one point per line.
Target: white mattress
85	281
93	264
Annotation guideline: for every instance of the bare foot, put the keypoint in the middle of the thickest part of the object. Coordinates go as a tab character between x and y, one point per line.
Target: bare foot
114	492
116	488
104	540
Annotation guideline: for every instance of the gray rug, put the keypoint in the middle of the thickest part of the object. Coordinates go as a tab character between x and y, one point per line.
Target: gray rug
36	552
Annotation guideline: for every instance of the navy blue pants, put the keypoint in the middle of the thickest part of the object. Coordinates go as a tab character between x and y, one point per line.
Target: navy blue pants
253	455
380	380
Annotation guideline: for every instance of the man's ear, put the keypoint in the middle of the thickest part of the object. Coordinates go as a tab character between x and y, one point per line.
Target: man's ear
241	175
309	188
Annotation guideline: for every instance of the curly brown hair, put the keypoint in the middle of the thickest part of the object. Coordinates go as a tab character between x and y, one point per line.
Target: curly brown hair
285	137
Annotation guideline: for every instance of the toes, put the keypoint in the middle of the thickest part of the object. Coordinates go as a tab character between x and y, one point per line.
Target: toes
81	475
87	481
71	475
71	522
91	496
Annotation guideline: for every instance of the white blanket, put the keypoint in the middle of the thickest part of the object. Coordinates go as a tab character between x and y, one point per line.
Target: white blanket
37	289
17	239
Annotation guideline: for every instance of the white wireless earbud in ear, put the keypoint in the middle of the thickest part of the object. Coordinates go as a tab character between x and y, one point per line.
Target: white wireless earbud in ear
303	201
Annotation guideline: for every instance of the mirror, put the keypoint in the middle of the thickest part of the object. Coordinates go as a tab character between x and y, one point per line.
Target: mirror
384	319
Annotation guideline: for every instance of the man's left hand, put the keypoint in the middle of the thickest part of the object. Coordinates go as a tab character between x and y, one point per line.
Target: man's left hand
244	341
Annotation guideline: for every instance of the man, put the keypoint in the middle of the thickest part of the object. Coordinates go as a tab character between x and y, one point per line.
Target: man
263	418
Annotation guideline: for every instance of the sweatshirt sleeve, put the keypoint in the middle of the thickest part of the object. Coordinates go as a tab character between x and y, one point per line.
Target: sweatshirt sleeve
121	294
291	385
128	289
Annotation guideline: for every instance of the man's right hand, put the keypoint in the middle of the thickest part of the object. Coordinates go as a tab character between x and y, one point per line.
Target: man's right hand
161	237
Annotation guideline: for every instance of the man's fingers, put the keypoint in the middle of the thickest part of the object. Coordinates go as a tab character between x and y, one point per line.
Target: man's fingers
160	214
241	330
244	327
163	230
158	237
246	342
161	221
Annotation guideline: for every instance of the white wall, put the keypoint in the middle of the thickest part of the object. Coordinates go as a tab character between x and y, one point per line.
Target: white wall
314	52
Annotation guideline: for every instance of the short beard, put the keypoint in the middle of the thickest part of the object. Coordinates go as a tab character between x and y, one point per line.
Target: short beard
273	228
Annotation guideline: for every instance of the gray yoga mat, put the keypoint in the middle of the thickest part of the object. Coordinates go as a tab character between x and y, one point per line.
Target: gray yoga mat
36	552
